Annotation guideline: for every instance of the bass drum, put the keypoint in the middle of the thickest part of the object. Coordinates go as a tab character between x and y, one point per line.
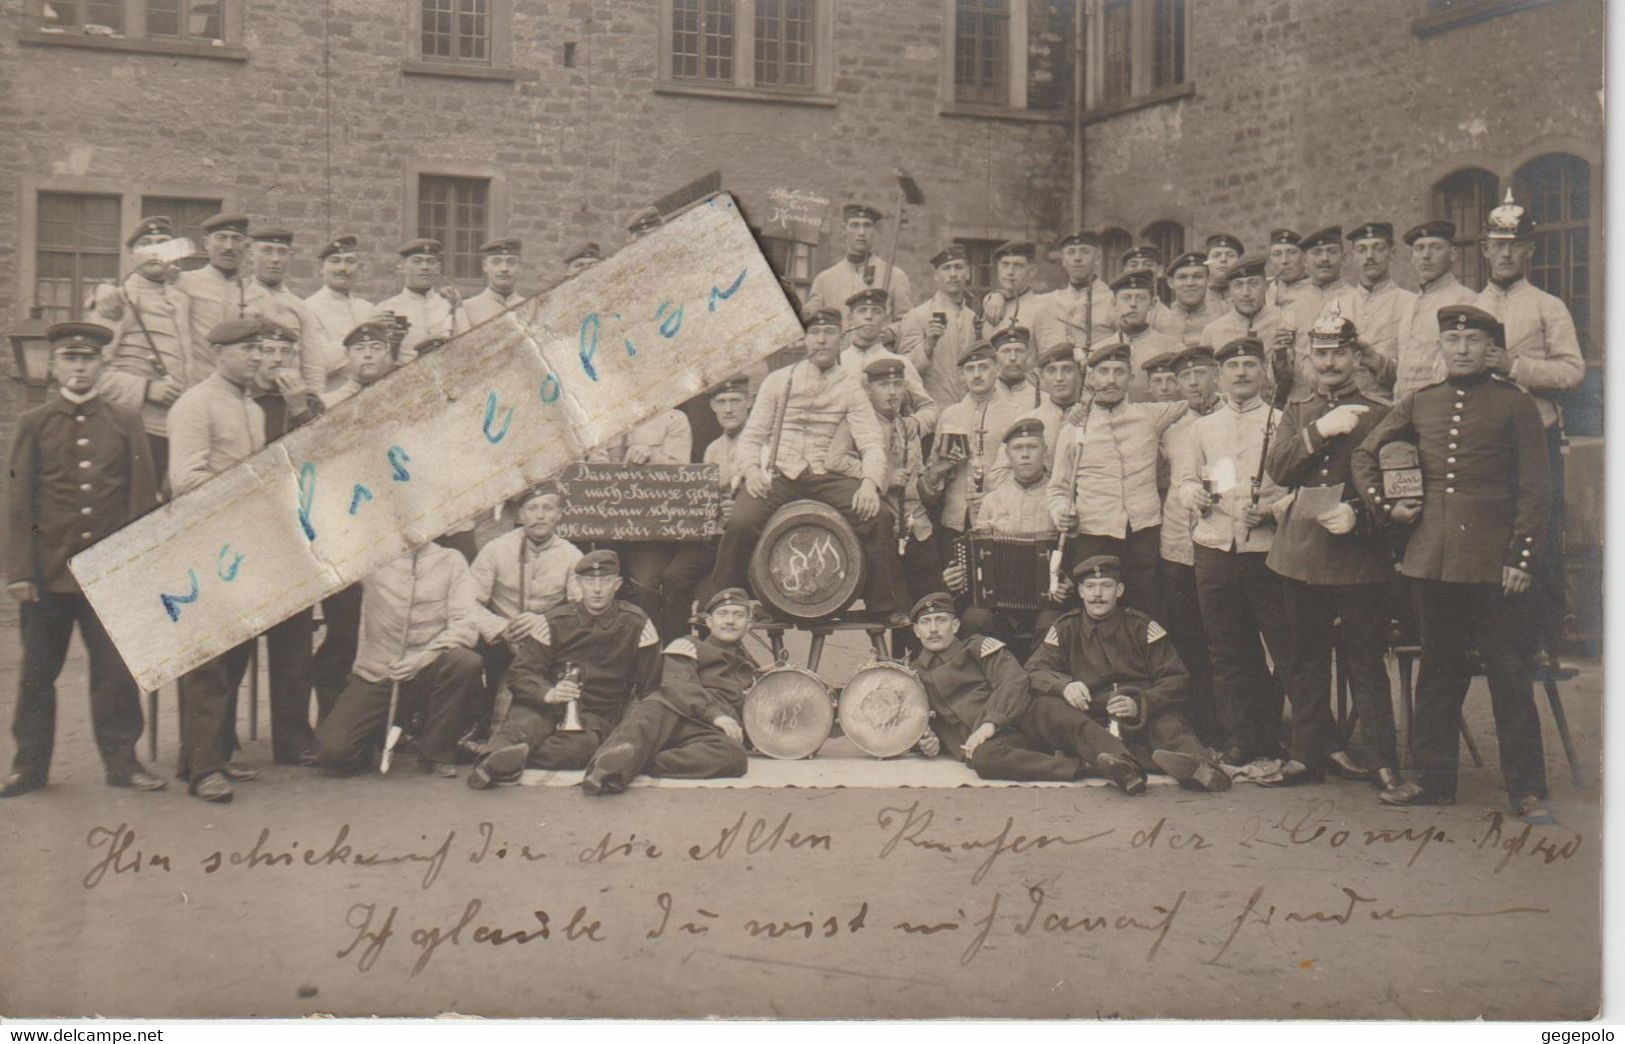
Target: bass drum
884	709
808	564
788	713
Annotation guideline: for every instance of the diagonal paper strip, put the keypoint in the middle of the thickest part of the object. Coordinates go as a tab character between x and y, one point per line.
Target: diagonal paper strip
507	404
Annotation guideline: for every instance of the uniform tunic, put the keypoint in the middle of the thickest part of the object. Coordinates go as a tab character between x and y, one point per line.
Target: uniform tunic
1283	295
1232	324
1072	315
938	364
430	315
903	468
617	651
832	286
1420	362
212	426
333	315
549	579
1186	325
721	453
919	403
1144	344
488	304
818	401
151	337
1543	351
283	307
1107	469
1177	515
1236	434
1013	509
1376	312
666	436
212	298
983	424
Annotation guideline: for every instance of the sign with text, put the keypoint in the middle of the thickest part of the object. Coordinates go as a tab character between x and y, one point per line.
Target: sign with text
640	502
443	438
797	212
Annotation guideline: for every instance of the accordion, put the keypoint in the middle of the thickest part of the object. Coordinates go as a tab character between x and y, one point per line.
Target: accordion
1006	572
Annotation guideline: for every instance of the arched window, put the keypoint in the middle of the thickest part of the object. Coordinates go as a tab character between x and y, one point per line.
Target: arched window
1113	243
1166	236
1556	191
1466	198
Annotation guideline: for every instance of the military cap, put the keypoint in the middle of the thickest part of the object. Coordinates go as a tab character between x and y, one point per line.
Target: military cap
1509	221
951	252
728	596
156	225
1241	346
884	367
1323	237
1026	427
822	317
78	338
1061	351
1139	279
737	383
854	210
1332	329
371	330
502	245
1195	355
270	234
1192	260
530	493
982	351
583	250
431	247
603	562
1098	567
1445	230
644	220
869	295
1143	252
1247	266
1113	351
1011	334
235	331
1082	237
1284	237
1016	248
429	344
226	223
339	245
1163	363
1372	230
1224	239
940	602
274	331
1466	317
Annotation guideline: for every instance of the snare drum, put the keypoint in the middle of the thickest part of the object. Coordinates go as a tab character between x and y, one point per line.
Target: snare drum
788	713
884	709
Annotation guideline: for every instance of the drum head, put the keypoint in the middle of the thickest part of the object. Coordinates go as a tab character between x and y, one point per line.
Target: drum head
807	564
884	709
788	713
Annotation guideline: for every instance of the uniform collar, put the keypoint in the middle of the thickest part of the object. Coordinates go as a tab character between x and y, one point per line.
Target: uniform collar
1372	291
1247	407
602	620
1516	283
73	405
1042	480
1107	625
1440	283
1470	380
1351	390
229	277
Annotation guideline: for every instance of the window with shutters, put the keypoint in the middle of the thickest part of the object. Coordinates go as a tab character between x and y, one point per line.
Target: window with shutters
1465	199
77	241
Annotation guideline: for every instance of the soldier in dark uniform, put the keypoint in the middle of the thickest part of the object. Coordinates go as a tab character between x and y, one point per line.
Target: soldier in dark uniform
81	468
1334	565
688	728
988	717
601	651
1478	532
1119	667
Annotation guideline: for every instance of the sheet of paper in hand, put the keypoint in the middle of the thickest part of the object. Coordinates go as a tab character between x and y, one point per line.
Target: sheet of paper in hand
640	502
1314	501
449	435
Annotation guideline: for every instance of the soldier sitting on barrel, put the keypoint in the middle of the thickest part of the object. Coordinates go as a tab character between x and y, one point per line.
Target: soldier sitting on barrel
689	727
1119	666
987	716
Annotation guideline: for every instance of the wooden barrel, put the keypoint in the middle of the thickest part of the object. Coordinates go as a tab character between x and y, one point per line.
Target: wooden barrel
808	563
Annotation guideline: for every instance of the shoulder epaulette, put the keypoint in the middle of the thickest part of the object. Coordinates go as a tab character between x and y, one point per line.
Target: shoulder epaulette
682	647
989	646
1153	631
650	636
1051	637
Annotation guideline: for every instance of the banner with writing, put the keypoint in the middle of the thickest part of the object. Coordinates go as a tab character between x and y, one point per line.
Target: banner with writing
640	502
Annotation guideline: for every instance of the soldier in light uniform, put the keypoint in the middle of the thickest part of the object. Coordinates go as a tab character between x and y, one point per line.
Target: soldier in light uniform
987	716
967	445
270	250
581	257
783	453
1223	252
151	351
866	312
1542	354
1419	362
1375	305
936	333
1190	310
80	470
500	263
1013	274
1250	314
861	268
1334	566
1118	666
1323	251
1239	595
1060	379
1134	298
1103	488
1079	313
1147	258
335	309
730	402
431	312
1477	539
600	651
1161	379
216	292
689	726
1012	352
1291	283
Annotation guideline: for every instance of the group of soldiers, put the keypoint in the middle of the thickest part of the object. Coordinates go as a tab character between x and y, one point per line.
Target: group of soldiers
1207	442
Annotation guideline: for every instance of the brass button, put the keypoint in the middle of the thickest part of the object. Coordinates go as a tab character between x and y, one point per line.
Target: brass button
83	442
1450	460
85	486
84	463
84	511
1456	419
1450	489
1455	431
84	536
1452	446
80	418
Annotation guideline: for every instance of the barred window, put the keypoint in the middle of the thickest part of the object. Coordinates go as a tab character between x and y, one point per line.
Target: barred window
76	244
1556	191
702	40
784	43
455	211
457	30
